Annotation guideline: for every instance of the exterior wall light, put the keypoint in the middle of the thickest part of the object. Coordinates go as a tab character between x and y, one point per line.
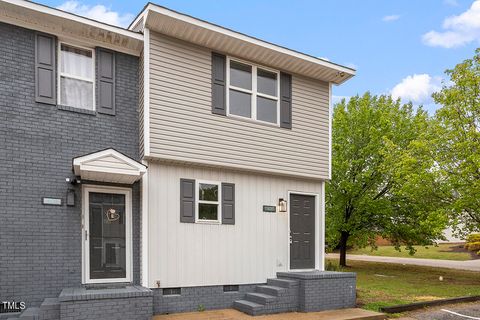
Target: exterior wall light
282	205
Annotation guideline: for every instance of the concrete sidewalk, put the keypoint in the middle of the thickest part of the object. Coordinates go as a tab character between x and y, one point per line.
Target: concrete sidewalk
472	265
230	314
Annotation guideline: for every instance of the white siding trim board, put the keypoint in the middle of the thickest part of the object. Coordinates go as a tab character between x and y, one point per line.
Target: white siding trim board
145	204
330	119
146	93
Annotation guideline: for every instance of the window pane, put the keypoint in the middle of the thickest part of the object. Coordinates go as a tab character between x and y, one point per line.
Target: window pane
240	103
267	82
240	75
208	192
207	211
76	93
76	62
267	110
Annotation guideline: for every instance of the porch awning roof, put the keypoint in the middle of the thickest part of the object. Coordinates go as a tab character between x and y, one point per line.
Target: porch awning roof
108	166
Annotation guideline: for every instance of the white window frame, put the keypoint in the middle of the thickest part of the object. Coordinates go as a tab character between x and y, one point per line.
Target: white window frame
253	92
86	189
198	201
60	73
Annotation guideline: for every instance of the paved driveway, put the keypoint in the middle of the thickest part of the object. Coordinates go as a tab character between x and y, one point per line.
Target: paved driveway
472	265
452	312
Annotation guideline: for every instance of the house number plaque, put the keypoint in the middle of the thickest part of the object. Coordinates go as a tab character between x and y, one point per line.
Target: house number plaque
270	209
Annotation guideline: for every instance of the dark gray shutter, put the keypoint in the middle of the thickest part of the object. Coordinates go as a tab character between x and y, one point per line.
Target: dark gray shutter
228	203
106	81
219	76
45	71
187	200
285	100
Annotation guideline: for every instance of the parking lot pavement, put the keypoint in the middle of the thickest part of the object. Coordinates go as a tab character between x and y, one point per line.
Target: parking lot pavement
472	265
466	311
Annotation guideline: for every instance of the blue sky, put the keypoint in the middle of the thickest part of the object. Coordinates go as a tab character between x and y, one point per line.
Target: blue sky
398	47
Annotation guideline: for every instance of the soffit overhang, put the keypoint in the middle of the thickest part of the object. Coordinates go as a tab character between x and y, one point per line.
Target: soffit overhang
70	27
217	38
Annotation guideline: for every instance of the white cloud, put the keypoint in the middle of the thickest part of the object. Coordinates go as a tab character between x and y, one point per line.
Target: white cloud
458	30
391	18
453	3
97	12
417	88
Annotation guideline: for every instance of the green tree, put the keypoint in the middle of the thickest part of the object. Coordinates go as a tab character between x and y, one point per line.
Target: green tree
456	133
381	176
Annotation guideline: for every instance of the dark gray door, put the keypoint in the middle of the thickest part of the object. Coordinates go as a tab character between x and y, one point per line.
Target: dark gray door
302	231
107	235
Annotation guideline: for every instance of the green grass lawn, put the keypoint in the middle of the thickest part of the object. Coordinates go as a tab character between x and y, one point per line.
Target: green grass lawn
386	284
442	251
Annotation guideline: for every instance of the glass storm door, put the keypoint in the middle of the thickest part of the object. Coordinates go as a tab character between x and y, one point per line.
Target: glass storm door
107	236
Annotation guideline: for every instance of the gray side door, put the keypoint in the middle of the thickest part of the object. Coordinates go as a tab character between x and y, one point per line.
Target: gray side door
302	231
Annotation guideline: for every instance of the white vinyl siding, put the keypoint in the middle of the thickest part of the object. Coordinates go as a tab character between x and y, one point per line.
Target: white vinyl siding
183	128
194	254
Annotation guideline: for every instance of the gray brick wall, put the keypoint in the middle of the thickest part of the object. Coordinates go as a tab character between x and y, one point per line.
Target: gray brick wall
128	302
191	298
133	308
324	290
326	294
40	246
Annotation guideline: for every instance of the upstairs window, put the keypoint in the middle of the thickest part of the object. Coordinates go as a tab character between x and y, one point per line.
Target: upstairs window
76	77
253	92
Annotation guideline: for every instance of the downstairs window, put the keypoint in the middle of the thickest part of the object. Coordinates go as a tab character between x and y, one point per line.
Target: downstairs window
208	201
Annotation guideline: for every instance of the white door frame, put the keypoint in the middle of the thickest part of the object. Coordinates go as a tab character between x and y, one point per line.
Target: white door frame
317	230
86	189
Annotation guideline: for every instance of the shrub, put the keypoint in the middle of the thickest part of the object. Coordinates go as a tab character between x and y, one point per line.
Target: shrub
474	237
473	246
330	266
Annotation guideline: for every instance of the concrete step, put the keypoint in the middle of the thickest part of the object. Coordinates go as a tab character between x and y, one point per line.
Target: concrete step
9	315
50	309
30	314
271	290
284	283
260	298
249	307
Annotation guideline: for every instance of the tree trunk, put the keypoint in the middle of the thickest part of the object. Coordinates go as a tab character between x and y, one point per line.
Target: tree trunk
343	248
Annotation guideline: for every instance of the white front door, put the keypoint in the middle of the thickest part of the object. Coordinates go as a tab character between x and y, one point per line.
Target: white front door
107	234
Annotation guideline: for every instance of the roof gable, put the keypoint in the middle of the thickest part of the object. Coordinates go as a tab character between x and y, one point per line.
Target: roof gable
108	166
